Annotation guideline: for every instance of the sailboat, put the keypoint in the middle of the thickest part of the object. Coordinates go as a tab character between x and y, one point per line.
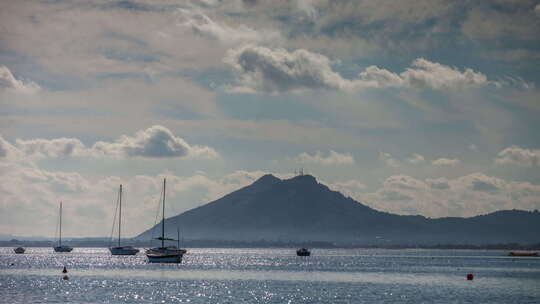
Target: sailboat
170	254
122	250
60	247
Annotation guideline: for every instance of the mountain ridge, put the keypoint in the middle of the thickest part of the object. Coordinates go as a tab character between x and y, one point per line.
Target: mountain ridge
302	209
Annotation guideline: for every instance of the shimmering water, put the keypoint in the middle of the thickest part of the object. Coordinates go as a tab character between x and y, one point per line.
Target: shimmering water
270	276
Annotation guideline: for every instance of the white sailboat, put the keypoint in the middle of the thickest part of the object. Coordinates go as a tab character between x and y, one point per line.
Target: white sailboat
169	254
121	250
60	247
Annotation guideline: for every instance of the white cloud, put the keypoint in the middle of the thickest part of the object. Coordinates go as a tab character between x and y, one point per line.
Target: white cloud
427	74
9	82
30	194
58	147
376	77
519	156
261	69
467	195
203	25
154	142
416	159
333	158
8	151
445	162
277	70
388	159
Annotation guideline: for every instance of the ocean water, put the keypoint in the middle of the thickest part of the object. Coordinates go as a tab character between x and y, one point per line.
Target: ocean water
270	276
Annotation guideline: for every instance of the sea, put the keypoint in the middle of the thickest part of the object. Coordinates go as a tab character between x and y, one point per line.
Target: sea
215	275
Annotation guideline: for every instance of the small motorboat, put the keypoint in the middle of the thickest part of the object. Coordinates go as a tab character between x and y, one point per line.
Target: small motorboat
19	250
303	252
523	253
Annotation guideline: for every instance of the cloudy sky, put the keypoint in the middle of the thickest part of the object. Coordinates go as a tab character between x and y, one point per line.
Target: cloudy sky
424	107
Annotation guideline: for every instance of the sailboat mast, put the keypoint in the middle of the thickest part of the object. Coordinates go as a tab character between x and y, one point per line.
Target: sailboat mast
163	216
60	238
120	216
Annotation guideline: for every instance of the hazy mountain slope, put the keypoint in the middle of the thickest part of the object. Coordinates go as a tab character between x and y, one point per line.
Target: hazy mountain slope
301	209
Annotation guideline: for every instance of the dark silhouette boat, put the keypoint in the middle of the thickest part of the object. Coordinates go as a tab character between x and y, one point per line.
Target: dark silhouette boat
303	252
19	250
170	254
121	250
60	247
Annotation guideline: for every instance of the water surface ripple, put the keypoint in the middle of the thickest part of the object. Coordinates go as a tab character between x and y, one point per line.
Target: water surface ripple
270	276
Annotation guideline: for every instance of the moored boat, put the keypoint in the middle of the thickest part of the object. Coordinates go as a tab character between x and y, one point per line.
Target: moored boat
121	250
170	254
303	252
19	250
60	247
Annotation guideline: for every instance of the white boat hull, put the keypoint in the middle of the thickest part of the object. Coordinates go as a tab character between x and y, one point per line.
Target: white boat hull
124	250
63	249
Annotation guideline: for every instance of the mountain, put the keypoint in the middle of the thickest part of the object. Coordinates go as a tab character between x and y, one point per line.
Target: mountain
301	209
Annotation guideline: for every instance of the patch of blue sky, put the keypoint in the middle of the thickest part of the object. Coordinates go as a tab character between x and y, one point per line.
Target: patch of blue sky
267	107
213	78
172	110
129	38
27	68
142	76
137	6
130	56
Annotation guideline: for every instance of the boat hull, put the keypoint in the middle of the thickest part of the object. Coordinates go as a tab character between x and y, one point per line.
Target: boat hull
165	255
63	249
19	250
164	258
124	250
166	250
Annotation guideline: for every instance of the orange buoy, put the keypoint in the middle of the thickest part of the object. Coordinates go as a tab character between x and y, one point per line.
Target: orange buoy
64	270
470	276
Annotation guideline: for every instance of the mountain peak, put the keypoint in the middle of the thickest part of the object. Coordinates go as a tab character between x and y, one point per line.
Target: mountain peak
267	179
304	179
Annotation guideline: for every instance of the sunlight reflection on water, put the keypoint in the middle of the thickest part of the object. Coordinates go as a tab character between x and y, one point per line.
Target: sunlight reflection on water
271	276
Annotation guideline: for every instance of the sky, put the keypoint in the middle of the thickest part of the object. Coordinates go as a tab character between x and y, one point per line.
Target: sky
423	107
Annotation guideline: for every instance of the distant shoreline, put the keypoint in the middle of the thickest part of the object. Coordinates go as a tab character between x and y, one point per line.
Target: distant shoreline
268	244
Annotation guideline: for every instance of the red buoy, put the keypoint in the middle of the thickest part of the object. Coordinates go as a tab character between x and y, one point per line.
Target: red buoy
470	276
